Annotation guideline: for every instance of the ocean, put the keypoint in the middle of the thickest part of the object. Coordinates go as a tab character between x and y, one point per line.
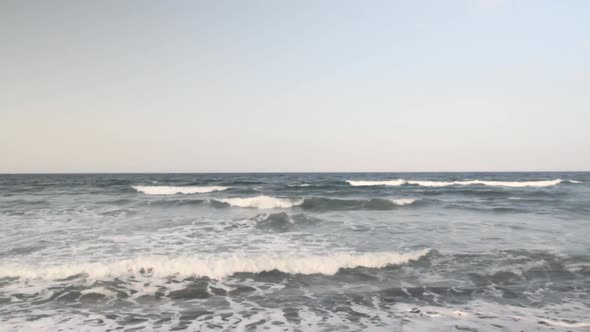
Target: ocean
295	252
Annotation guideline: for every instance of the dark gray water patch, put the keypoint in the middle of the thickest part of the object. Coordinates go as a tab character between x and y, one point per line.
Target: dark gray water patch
171	203
217	291
90	298
25	250
189	293
190	315
241	290
117	202
219	204
497	278
330	204
291	314
148	299
279	222
283	222
196	289
477	207
118	213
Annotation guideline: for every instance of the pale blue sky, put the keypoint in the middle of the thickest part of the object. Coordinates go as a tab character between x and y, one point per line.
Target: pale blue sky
148	86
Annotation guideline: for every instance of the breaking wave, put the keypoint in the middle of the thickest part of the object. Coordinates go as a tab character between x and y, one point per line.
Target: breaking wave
169	190
315	203
542	183
261	202
212	267
376	183
319	203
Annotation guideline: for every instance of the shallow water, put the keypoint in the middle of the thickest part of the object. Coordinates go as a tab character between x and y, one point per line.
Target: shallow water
295	252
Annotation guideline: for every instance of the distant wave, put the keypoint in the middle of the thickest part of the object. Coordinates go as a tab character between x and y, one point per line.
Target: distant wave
169	190
376	183
261	202
213	267
315	203
320	203
542	183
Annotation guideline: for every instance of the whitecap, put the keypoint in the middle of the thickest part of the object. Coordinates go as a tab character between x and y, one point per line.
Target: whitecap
212	266
170	190
403	201
427	183
376	183
261	202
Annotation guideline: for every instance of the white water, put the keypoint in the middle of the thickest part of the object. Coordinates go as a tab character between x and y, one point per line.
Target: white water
262	202
213	267
403	201
168	190
376	183
543	183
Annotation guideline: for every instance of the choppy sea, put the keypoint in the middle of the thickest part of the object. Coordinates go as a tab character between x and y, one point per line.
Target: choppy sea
295	252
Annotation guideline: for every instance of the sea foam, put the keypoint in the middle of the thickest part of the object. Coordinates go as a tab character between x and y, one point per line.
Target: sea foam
169	190
542	183
261	202
376	183
213	267
268	202
403	201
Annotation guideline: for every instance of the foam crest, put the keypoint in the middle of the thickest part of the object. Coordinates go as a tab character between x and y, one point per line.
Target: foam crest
261	202
170	190
213	267
376	183
403	201
541	183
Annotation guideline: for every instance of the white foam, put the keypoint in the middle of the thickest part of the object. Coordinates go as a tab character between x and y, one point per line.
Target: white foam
262	202
543	183
98	290
169	190
403	201
213	267
376	183
399	182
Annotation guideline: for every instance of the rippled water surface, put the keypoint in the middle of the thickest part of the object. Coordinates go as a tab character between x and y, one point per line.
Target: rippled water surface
295	252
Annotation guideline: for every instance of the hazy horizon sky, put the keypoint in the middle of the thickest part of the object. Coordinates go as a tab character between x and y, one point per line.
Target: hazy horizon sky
222	86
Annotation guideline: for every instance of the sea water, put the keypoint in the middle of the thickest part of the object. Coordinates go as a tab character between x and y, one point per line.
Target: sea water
295	252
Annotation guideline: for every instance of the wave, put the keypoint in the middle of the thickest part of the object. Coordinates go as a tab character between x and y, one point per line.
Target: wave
261	202
213	267
282	222
376	183
320	203
314	203
169	190
541	183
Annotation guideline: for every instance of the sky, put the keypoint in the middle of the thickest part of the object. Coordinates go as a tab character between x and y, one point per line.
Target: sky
292	86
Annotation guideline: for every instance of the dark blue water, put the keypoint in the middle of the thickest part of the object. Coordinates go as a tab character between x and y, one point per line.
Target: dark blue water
295	252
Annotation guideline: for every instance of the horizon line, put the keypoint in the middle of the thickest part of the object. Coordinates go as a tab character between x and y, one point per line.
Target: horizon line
285	172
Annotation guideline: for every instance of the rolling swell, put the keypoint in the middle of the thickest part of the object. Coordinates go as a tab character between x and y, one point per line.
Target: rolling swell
429	183
313	203
173	190
320	203
212	267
